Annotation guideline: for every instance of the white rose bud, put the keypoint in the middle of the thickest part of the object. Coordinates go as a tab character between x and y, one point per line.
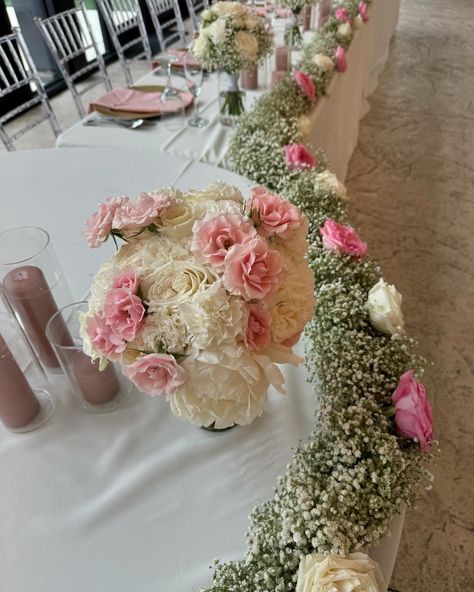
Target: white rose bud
330	182
384	306
344	30
324	62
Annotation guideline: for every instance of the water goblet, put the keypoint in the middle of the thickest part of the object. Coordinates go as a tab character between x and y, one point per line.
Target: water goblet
193	73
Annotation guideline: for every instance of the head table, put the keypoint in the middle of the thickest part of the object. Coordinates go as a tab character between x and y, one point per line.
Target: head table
136	499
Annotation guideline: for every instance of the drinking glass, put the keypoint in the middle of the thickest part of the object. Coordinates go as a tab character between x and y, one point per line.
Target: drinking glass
169	90
194	75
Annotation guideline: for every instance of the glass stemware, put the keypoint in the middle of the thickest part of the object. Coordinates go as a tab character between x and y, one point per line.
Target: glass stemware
169	90
194	74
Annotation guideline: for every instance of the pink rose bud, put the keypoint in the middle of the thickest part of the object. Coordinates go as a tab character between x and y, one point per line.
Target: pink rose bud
364	11
342	15
103	338
213	238
124	312
271	214
126	279
298	157
340	57
259	328
156	374
306	84
413	416
137	214
99	225
338	237
252	270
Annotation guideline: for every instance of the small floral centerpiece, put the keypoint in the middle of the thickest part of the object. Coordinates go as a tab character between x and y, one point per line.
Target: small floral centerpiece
293	36
232	38
206	295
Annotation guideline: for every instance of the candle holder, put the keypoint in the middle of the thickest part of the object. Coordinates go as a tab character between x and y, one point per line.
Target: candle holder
25	402
33	285
99	391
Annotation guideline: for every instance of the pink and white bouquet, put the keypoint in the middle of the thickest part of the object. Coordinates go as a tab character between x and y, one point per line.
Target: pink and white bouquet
207	294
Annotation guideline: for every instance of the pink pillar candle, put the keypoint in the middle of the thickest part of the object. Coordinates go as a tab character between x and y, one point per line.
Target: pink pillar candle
281	58
18	403
277	76
249	79
97	387
30	297
307	18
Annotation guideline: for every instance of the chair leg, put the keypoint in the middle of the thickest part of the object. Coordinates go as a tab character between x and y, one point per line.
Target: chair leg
6	140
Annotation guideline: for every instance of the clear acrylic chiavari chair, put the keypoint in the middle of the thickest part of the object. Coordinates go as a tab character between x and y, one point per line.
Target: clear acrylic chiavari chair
17	70
69	36
168	22
194	8
124	21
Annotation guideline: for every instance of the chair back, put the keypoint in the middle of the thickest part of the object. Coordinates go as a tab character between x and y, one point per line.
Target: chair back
69	36
194	8
17	70
124	21
167	21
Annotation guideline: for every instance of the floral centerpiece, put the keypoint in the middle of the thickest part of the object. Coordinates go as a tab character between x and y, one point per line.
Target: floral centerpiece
232	38
293	36
205	297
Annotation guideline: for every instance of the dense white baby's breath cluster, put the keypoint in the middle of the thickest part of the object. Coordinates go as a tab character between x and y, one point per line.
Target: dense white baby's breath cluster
350	479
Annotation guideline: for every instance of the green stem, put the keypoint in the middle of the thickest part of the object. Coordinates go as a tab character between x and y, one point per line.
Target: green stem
233	103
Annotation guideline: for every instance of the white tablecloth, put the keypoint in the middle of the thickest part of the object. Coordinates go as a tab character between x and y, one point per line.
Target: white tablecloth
335	121
134	500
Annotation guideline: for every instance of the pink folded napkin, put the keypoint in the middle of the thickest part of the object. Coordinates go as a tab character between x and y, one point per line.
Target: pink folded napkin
179	63
135	101
281	12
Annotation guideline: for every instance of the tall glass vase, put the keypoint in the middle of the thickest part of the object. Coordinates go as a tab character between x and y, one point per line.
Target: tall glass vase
231	98
293	36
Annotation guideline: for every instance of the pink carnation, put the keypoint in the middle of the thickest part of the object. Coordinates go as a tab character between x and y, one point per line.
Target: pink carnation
342	15
252	270
213	238
306	84
364	11
126	279
338	237
340	57
137	214
124	312
413	416
156	374
298	157
99	225
271	214
103	338
259	328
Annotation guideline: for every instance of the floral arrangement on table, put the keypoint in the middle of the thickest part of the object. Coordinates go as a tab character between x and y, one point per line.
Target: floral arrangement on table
293	36
232	38
373	438
206	295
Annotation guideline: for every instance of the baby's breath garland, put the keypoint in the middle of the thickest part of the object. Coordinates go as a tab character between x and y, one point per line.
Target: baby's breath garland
350	479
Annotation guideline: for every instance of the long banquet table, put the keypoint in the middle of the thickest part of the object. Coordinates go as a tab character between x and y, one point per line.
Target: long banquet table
334	121
135	499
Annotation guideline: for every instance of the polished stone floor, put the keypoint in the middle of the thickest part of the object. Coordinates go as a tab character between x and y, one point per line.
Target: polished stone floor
411	179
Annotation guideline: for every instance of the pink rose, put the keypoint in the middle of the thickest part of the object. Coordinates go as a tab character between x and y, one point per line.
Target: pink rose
259	328
99	225
252	271
340	57
156	374
364	11
306	84
338	237
137	214
126	279
342	15
298	157
103	338
271	214
124	312
413	416
213	238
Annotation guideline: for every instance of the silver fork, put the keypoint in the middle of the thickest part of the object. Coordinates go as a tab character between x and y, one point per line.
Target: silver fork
126	123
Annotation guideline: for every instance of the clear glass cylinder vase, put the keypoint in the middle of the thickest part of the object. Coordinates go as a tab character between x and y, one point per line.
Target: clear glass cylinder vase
33	285
231	99
293	35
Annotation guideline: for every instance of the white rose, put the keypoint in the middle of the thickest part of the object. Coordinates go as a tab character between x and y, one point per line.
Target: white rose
177	220
344	30
384	305
217	191
247	44
356	572
227	9
331	183
176	282
293	304
217	31
201	45
324	62
358	22
251	23
225	389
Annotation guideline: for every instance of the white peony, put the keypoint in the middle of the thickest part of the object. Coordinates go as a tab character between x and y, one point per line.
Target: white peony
384	305
330	182
217	31
324	62
247	44
356	572
225	389
217	191
344	30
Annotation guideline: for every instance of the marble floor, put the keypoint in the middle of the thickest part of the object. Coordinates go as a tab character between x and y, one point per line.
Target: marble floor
411	179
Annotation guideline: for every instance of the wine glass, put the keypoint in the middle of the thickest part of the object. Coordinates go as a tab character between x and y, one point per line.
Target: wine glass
194	74
170	90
